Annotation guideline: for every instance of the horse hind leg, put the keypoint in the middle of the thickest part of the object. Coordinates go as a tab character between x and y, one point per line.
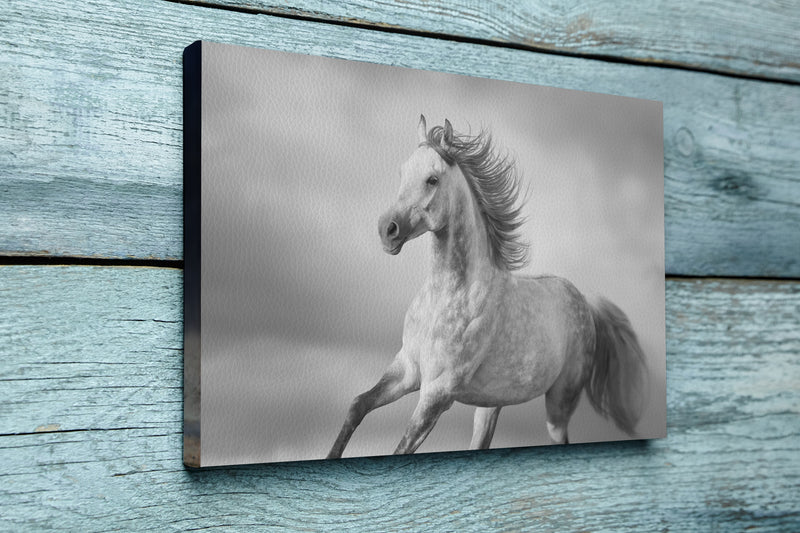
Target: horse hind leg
483	425
560	403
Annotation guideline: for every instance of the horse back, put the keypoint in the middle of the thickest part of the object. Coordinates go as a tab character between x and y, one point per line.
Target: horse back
558	317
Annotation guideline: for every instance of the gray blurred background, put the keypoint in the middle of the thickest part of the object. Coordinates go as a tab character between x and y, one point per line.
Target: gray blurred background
301	308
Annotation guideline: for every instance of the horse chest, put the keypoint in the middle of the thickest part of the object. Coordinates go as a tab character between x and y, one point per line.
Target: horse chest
448	330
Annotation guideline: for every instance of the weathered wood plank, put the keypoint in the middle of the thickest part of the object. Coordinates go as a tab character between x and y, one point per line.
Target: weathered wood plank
91	160
90	429
749	38
108	331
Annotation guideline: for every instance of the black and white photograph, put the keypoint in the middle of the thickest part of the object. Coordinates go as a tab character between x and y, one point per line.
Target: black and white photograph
392	261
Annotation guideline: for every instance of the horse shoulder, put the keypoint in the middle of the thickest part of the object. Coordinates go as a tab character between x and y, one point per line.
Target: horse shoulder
418	309
417	321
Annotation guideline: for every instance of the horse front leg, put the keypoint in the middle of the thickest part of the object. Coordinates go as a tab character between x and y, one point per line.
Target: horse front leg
395	383
483	425
432	403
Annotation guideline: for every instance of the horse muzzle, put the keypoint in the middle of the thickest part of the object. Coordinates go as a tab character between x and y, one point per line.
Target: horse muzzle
394	228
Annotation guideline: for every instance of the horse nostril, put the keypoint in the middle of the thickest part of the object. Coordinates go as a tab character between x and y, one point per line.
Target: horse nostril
392	229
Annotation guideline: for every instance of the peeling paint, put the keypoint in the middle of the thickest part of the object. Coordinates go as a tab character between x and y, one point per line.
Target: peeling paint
47	428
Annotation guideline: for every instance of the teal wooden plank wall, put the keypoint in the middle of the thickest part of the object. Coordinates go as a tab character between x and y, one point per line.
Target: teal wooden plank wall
91	281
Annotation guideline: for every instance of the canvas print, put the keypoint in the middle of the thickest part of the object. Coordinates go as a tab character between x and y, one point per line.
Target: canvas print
385	260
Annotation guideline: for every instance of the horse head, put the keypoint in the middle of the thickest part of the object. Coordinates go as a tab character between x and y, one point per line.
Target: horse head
427	184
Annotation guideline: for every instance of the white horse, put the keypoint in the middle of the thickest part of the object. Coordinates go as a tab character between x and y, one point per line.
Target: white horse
478	334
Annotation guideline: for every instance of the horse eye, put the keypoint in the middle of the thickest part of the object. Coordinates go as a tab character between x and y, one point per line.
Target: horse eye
433	180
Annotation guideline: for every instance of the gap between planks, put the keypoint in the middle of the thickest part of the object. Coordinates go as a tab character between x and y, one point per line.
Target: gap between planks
54	260
309	16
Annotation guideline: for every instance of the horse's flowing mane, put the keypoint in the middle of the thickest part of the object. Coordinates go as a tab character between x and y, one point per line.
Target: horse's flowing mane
495	184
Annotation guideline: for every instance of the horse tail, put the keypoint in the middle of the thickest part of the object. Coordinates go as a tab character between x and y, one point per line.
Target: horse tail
616	388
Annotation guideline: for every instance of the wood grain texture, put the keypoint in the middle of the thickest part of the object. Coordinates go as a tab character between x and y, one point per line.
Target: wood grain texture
90	430
749	38
91	358
91	157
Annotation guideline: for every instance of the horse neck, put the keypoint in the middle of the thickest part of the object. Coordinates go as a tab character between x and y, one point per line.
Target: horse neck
461	250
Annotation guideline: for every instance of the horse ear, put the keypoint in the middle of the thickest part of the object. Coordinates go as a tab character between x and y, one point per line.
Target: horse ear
422	130
447	135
